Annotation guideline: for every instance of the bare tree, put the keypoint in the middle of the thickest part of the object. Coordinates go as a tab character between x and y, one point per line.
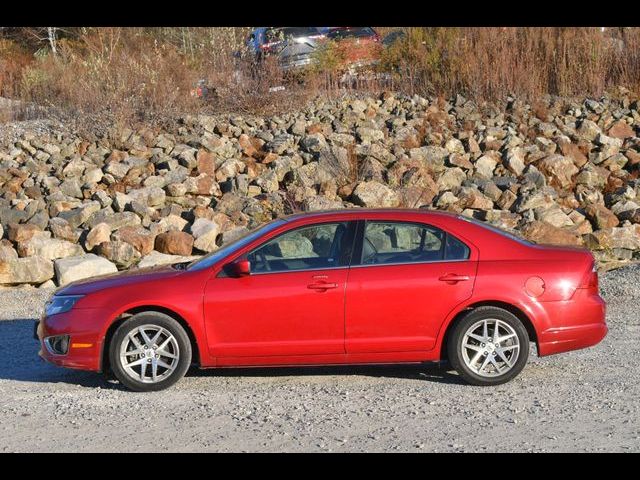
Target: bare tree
52	36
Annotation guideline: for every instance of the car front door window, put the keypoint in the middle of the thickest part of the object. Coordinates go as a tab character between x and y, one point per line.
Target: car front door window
306	248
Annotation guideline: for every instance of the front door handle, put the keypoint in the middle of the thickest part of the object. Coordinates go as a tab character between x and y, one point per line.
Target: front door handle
453	278
322	286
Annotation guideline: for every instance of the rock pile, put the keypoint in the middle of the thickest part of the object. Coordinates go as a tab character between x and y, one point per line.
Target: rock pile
560	171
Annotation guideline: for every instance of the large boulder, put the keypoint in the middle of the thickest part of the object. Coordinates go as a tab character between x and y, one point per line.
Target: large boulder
139	237
485	166
601	216
89	265
19	233
320	202
155	258
621	130
205	233
77	216
374	194
627	238
174	243
98	234
148	196
473	198
545	233
49	248
7	252
559	169
61	229
123	254
25	270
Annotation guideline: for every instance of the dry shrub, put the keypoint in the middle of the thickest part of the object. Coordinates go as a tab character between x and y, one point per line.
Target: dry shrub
13	60
144	74
490	63
112	71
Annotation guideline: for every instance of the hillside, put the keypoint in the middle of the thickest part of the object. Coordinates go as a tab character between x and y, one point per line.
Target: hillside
558	171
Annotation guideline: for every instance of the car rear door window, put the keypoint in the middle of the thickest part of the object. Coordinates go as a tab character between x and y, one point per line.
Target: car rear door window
396	242
308	248
455	249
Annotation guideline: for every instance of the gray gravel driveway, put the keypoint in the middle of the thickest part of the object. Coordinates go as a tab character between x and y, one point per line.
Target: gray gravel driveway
581	401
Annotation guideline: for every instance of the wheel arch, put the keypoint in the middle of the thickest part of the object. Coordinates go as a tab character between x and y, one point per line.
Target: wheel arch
124	316
515	310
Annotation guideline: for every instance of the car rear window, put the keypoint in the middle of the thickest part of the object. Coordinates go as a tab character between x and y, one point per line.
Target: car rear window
281	33
355	32
495	229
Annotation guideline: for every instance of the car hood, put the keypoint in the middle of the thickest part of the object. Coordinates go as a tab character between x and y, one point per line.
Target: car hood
93	284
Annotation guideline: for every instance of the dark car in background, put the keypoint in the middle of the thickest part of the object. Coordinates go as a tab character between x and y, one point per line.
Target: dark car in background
365	34
292	46
360	46
393	36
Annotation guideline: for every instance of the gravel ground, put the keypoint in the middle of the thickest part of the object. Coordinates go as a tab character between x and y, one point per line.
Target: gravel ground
580	401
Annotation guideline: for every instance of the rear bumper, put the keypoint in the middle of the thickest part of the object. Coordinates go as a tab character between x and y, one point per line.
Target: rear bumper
85	346
577	323
559	340
292	64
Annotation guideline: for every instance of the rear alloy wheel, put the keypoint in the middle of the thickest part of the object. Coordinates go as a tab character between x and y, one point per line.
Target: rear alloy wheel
150	352
489	346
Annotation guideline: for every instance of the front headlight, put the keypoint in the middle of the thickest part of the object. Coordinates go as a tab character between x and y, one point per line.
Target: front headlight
60	304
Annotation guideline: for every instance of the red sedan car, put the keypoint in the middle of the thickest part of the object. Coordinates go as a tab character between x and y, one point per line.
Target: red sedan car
341	287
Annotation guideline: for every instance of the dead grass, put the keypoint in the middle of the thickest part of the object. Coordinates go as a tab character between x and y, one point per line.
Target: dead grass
489	63
134	75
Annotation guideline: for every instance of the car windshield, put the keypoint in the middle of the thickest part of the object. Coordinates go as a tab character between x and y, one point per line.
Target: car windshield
214	257
495	229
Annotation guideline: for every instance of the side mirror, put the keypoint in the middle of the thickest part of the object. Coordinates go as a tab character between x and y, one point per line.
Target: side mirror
241	268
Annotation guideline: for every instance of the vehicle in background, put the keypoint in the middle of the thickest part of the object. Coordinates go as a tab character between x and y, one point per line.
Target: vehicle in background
360	45
340	33
200	90
295	47
292	46
392	37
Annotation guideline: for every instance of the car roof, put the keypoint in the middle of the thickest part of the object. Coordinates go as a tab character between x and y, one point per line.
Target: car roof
364	212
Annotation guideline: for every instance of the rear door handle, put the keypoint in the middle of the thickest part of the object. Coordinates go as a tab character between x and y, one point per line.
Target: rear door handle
322	286
452	277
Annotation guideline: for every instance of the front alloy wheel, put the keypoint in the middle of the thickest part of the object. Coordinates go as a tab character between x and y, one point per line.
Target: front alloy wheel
149	352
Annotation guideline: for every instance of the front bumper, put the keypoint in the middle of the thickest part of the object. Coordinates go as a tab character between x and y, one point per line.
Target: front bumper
577	323
85	346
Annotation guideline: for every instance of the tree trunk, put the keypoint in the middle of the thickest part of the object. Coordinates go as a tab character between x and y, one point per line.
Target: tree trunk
53	41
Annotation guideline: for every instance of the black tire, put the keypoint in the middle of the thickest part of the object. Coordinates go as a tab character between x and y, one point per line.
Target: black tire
154	319
454	345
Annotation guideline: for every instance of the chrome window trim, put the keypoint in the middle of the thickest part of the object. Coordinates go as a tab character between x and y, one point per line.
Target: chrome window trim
362	266
395	264
342	267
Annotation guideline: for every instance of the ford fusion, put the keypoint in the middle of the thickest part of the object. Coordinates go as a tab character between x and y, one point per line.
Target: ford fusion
327	288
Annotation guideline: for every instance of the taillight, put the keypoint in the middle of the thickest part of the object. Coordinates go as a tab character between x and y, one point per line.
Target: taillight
590	280
268	47
593	279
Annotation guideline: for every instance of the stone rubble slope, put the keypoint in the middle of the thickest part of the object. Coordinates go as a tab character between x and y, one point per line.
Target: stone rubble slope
559	171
